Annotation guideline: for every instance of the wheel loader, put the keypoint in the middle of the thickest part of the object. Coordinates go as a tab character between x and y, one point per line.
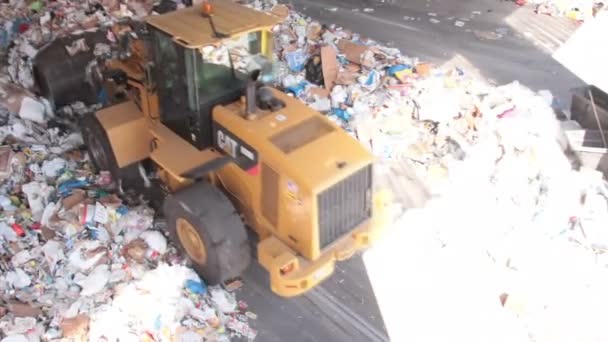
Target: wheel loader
229	152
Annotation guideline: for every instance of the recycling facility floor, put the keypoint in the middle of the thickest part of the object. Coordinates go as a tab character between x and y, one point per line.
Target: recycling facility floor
499	39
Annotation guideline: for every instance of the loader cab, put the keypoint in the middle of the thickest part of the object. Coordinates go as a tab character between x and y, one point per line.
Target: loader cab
191	81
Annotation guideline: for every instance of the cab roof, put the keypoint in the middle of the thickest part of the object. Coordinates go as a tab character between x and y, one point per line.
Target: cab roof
189	27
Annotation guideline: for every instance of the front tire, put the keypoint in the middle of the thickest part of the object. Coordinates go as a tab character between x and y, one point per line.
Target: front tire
204	225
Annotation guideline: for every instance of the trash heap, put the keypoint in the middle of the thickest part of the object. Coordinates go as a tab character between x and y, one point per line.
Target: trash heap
79	261
579	10
515	239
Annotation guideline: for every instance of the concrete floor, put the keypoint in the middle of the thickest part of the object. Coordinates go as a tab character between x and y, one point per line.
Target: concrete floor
344	308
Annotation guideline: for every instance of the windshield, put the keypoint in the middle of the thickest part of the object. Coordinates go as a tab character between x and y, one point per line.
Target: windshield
246	51
209	72
249	53
215	70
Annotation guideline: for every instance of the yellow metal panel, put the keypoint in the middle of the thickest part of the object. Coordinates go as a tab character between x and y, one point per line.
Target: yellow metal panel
310	168
192	29
316	160
127	130
176	155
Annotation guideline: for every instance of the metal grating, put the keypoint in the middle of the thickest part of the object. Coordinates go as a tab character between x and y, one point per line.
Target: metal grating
344	206
270	194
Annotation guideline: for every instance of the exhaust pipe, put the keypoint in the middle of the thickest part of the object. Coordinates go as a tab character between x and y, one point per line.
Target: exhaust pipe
250	95
251	106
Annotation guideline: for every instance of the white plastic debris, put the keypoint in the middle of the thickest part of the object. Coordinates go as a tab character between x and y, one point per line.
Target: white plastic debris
32	110
202	315
6	204
338	96
224	301
37	196
18	278
15	338
96	281
135	222
52	168
85	255
191	336
50	210
321	104
21	258
53	253
155	240
7	232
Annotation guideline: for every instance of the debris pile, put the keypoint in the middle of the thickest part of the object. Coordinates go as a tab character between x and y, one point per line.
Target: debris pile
579	10
80	262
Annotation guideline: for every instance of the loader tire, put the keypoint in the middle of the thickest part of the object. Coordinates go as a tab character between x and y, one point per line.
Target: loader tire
205	226
102	156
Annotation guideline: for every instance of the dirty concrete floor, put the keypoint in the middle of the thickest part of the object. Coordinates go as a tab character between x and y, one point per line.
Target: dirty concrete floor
517	46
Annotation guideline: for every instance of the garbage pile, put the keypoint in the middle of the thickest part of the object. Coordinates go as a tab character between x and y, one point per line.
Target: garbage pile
579	10
516	239
80	261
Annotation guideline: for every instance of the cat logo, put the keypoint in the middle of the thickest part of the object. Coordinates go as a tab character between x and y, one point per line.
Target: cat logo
227	143
242	154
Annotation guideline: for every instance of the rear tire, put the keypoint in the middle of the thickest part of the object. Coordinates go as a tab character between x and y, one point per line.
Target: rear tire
213	217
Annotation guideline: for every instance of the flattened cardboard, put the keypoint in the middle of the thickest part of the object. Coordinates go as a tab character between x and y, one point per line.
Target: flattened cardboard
78	196
330	67
346	78
352	51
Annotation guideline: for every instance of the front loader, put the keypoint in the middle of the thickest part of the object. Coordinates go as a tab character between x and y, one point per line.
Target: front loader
228	152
